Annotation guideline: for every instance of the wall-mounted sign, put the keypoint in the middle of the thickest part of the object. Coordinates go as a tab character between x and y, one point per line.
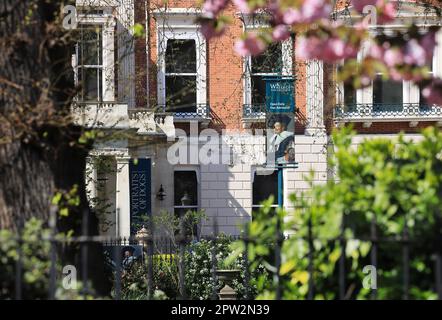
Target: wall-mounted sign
280	120
140	192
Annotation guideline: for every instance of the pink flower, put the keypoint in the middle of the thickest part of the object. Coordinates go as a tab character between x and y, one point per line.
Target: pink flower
242	6
280	33
252	45
312	10
309	11
393	56
388	12
428	43
330	50
376	51
414	53
291	16
308	48
334	49
214	6
433	92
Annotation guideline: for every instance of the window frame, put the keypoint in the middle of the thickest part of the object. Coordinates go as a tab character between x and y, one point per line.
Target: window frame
180	74
107	23
255	22
177	23
410	92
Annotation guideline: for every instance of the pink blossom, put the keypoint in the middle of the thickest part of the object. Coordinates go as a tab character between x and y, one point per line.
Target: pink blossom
428	43
280	33
309	11
330	50
252	45
214	6
393	56
291	16
414	53
376	51
312	10
433	92
388	12
308	48
242	6
334	49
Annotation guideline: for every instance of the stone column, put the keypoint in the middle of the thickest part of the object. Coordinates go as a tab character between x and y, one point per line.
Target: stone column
315	98
109	61
123	197
91	180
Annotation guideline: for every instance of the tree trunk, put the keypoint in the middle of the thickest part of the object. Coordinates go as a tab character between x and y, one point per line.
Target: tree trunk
39	153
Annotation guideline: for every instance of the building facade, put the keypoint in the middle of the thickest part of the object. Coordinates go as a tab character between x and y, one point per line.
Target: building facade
183	117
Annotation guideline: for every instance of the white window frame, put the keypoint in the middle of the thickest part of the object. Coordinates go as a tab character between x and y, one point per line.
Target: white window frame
255	22
179	23
107	23
411	92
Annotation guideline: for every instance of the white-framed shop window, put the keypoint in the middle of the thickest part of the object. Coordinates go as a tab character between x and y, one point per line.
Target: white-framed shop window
94	60
182	63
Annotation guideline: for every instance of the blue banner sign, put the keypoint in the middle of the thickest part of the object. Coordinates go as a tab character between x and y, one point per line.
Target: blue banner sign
279	94
140	190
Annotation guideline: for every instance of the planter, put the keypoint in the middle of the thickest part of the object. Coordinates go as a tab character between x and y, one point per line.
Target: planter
227	277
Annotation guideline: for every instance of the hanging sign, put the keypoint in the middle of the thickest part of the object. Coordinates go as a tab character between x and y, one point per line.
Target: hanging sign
280	120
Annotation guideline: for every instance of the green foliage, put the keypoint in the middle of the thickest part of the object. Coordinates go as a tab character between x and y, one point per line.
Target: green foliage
134	285
199	266
395	183
34	258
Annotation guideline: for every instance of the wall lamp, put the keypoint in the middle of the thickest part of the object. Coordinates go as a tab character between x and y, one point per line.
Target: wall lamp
161	194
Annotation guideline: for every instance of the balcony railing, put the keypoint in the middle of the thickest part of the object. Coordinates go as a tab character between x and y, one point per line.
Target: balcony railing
387	112
200	111
253	112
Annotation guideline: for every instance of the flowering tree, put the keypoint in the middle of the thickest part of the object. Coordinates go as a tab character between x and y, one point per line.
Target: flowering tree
403	56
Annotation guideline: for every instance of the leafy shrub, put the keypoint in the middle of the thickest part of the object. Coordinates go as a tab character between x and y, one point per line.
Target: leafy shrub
199	266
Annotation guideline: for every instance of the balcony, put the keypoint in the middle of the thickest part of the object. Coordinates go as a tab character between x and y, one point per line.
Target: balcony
113	115
405	112
197	112
253	113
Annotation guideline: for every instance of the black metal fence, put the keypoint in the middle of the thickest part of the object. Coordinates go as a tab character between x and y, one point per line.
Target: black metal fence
149	247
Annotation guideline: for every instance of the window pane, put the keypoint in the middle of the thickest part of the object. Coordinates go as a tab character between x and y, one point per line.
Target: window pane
264	186
180	56
181	93
270	61
349	94
387	92
185	182
258	89
90	45
90	80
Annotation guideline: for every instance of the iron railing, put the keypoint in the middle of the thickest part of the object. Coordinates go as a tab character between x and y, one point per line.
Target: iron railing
383	111
152	245
193	111
254	111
